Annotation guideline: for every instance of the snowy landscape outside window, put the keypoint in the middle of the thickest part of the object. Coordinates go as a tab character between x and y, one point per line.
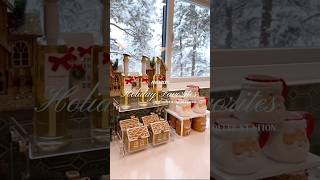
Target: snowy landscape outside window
191	43
246	24
136	29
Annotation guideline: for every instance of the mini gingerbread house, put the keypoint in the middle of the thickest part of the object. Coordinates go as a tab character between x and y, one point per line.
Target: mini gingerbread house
126	124
151	71
147	120
137	138
160	132
115	82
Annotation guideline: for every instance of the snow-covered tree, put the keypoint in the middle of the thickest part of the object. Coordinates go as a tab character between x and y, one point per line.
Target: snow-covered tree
265	23
191	40
133	28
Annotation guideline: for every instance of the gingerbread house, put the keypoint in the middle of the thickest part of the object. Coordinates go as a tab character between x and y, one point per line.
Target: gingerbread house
116	78
160	132
137	138
18	52
115	82
147	120
69	61
126	124
151	70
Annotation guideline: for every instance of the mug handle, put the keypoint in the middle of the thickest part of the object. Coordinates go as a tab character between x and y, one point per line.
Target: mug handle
285	89
311	123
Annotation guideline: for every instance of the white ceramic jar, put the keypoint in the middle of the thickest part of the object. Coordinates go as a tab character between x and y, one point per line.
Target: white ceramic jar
236	149
200	105
290	142
183	107
191	92
261	99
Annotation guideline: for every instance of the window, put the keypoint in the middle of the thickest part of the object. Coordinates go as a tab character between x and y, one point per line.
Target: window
191	48
21	56
78	16
266	24
188	61
146	27
279	38
136	29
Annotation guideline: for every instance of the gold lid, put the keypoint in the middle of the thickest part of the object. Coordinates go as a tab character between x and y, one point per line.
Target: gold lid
158	59
126	57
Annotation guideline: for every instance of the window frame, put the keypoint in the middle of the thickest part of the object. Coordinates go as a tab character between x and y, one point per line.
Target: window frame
296	66
180	82
20	59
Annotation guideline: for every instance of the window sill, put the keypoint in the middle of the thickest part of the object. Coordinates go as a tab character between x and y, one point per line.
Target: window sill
230	78
178	86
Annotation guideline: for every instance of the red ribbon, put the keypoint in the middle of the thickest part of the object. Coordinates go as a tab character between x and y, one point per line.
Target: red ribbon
129	80
145	79
84	51
106	58
263	138
192	104
311	123
284	85
161	78
64	61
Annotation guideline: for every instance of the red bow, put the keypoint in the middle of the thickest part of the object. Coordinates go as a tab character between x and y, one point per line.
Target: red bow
129	80
62	61
84	51
106	58
145	79
161	78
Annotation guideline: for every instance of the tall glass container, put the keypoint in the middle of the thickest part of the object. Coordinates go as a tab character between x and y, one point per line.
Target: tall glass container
157	82
50	122
126	85
144	82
